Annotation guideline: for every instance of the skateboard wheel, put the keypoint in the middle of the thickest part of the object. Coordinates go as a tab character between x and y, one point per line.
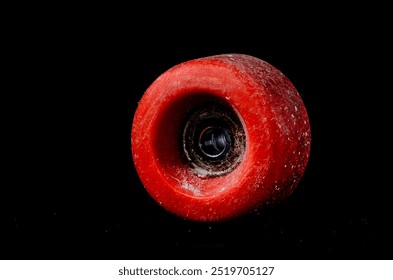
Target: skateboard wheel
216	137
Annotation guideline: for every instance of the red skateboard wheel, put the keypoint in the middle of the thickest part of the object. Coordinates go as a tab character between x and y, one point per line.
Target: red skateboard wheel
217	137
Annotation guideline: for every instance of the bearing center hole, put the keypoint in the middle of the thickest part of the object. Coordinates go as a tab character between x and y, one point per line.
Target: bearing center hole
214	142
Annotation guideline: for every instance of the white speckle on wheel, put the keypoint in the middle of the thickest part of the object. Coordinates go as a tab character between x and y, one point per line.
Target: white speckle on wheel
201	172
185	185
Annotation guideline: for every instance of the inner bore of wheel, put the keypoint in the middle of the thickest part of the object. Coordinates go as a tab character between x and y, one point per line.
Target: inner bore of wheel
213	140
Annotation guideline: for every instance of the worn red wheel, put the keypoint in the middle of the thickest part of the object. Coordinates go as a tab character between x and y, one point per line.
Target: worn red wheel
216	137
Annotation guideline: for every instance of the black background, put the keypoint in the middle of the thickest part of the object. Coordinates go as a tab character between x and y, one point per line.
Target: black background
76	78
